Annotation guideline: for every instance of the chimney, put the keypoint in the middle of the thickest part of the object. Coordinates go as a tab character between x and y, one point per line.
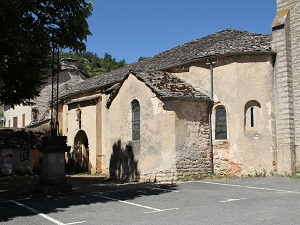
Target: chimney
69	64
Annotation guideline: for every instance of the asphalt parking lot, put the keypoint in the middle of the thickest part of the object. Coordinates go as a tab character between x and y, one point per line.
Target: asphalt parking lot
234	201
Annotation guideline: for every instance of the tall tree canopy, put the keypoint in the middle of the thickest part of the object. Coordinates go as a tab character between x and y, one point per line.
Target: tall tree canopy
29	30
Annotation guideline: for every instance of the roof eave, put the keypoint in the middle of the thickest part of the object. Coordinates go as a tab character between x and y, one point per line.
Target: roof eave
97	88
185	99
209	57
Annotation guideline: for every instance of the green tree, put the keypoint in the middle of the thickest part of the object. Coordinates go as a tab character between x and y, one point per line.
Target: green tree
91	64
29	30
141	58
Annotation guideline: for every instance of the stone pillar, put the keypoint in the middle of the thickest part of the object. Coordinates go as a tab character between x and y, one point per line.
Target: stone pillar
53	178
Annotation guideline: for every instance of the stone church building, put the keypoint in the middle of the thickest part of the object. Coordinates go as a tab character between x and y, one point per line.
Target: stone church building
227	103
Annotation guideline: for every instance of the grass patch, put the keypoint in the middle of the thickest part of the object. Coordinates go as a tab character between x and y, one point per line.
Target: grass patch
295	175
194	177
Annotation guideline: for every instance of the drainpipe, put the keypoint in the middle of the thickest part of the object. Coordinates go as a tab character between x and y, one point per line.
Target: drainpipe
210	107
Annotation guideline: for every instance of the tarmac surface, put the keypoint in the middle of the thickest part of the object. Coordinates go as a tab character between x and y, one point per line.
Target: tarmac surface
94	200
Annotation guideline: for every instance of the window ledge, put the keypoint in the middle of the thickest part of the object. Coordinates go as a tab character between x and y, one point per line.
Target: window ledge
219	142
135	143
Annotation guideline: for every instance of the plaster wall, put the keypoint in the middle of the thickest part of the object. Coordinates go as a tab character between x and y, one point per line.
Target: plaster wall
17	111
174	134
155	151
238	80
88	125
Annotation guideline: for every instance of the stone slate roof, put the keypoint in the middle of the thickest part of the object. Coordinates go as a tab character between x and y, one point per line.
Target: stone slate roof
18	138
165	85
225	42
100	81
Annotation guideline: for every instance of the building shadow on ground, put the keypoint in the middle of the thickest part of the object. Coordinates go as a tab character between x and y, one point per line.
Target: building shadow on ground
87	190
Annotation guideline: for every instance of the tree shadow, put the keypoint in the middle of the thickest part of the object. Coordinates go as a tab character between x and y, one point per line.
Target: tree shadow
123	166
87	190
75	165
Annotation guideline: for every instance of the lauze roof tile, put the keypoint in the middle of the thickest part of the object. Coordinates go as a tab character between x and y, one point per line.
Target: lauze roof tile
225	42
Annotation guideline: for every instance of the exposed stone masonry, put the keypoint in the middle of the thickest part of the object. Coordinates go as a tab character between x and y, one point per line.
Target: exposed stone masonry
193	156
286	39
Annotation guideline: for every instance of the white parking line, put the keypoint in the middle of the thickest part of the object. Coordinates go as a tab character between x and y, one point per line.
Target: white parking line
250	187
233	199
162	210
76	222
42	214
134	204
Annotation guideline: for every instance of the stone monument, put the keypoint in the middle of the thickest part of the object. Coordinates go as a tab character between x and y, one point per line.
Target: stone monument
53	178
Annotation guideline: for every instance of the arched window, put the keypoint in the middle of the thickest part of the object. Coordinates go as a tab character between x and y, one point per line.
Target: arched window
35	114
135	109
220	123
252	109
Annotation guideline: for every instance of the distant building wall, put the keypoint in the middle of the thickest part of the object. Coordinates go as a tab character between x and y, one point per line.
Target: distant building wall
23	115
40	111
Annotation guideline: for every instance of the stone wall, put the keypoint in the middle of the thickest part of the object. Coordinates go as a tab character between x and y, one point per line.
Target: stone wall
286	38
295	47
238	81
192	139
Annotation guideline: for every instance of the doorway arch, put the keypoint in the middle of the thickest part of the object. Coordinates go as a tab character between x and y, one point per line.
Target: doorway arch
81	152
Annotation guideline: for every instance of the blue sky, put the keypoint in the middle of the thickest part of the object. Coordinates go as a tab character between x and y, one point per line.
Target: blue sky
128	29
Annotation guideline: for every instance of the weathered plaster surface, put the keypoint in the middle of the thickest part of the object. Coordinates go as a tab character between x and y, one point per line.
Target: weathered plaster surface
88	125
192	139
238	80
173	140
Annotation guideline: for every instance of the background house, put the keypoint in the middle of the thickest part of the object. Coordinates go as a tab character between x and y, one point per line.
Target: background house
39	114
18	152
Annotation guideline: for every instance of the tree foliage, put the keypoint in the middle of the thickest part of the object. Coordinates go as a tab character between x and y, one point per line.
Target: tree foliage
141	58
29	31
91	64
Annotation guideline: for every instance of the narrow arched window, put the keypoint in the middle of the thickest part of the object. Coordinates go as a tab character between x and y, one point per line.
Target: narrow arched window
252	111
34	115
221	123
135	108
